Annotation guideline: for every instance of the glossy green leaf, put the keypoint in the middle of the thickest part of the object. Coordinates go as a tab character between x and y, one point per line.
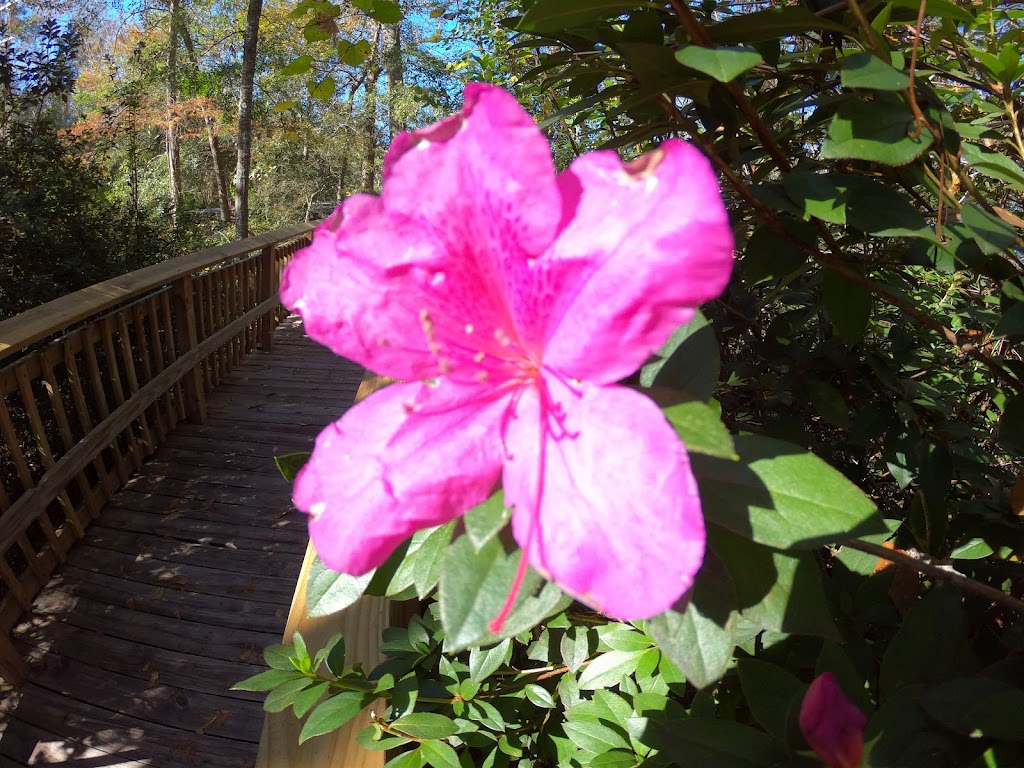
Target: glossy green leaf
594	737
329	592
608	668
484	521
769	24
990	232
334	713
698	645
298	66
865	70
426	725
782	496
876	130
386	12
322	90
723	64
473	588
687	362
718	743
267	681
773	694
289	464
553	15
700	429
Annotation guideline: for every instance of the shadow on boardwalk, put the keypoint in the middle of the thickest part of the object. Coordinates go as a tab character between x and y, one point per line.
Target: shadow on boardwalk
179	585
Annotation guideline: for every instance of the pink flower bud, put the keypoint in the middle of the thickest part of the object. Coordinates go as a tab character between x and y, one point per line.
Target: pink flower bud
832	724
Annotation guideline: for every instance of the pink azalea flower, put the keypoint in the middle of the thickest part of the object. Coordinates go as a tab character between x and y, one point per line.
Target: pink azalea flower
832	724
513	299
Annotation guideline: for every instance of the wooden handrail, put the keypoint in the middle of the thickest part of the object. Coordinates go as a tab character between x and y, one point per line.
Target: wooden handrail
104	375
23	330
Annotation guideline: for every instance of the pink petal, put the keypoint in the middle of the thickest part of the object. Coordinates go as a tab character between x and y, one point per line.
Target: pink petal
427	279
619	524
658	236
409	457
832	724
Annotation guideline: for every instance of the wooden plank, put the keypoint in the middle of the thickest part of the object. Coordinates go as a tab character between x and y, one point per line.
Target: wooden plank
223	511
215	533
31	746
160	703
184	671
22	330
189	553
194	578
179	620
123	735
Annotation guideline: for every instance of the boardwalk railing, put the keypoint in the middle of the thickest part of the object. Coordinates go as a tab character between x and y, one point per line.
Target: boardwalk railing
93	382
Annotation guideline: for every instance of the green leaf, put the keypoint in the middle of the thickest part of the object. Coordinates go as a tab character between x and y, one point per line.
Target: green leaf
796	602
688	361
1011	424
483	662
607	669
593	737
773	695
484	521
282	697
411	759
701	430
977	706
386	12
439	755
865	70
1012	321
941	8
299	66
554	15
429	555
720	743
473	589
990	232
307	698
323	90
284	106
354	54
930	647
334	713
875	130
330	592
723	64
782	496
849	306
829	402
426	725
769	255
266	681
289	464
770	24
539	696
575	647
698	645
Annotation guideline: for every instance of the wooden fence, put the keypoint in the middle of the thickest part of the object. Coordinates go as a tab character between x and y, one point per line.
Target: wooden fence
95	380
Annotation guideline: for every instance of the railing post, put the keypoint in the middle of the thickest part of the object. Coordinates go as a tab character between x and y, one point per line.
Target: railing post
268	289
185	331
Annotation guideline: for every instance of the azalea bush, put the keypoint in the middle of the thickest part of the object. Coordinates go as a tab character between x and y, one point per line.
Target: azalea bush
706	445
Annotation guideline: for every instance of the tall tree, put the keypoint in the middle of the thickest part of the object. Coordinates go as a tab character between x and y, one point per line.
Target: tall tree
394	70
220	179
244	164
173	149
373	70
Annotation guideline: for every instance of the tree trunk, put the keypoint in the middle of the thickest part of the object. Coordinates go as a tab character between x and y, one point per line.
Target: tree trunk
173	151
394	69
219	176
369	174
244	164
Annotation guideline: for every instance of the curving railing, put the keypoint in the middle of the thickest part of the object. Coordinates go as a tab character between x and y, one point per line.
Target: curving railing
92	383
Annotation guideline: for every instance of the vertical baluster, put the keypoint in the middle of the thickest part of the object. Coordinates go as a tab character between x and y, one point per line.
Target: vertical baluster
185	333
90	339
267	290
156	344
172	354
107	483
28	401
90	504
114	373
133	381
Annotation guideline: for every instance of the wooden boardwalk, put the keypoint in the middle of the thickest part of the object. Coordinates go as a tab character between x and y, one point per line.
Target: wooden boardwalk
179	585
